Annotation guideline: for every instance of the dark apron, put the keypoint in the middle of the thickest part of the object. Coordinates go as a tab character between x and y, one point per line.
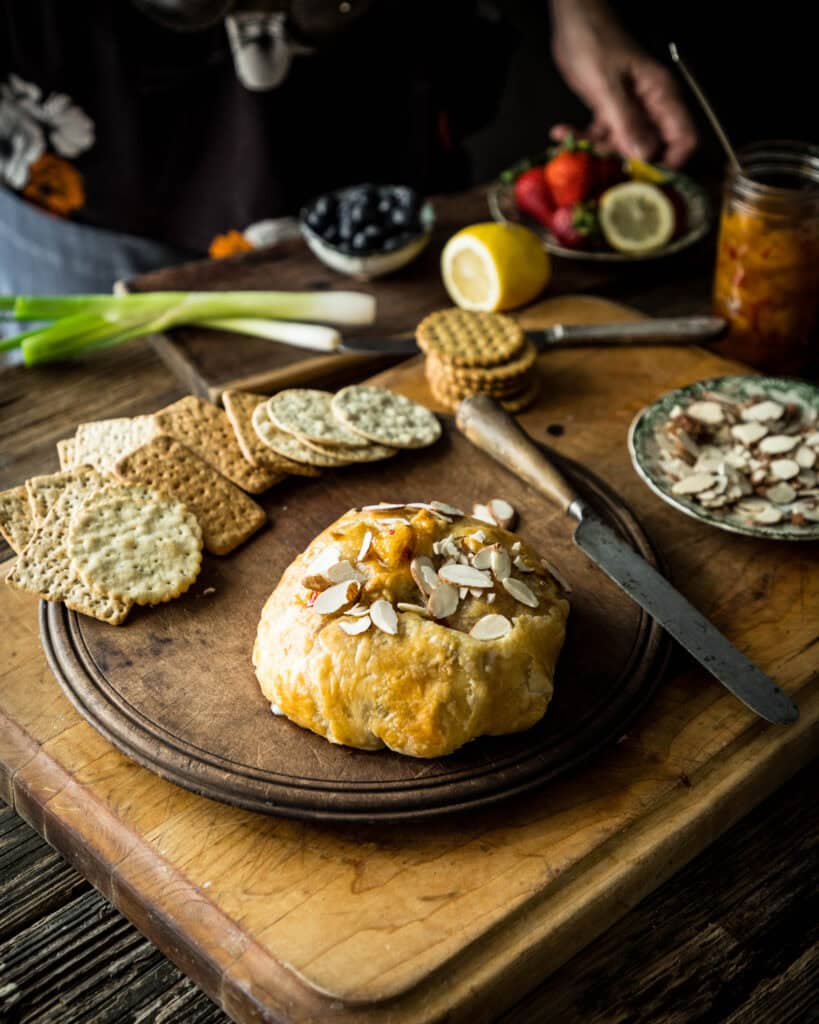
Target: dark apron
45	255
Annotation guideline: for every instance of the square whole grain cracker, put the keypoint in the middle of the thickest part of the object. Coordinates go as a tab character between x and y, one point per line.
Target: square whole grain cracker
101	442
135	544
65	452
43	491
45	569
207	431
239	407
227	515
16	519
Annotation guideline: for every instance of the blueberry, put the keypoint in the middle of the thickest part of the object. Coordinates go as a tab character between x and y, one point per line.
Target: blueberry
405	196
384	206
359	214
359	242
346	230
325	205
401	217
374	236
391	243
331	233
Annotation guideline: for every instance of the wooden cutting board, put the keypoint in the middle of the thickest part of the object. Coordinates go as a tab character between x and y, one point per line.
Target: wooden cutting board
453	918
217	737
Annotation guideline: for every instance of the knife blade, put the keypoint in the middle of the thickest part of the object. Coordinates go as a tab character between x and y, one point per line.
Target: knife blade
486	424
675	330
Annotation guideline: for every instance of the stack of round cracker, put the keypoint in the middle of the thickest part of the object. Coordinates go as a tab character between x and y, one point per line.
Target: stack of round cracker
470	353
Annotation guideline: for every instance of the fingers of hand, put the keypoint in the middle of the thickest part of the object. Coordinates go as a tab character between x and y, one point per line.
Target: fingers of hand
657	91
630	131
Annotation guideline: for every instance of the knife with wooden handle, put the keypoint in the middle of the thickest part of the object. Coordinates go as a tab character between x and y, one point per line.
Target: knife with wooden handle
486	425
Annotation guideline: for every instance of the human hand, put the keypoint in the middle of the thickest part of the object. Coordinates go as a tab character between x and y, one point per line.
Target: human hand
636	107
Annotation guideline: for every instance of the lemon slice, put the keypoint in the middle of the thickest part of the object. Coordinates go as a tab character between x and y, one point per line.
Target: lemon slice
641	170
490	267
636	217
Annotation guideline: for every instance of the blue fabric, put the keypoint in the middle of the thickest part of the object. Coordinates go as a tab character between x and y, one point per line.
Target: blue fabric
45	255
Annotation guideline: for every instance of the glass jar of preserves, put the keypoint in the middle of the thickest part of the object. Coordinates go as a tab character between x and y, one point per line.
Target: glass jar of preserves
767	274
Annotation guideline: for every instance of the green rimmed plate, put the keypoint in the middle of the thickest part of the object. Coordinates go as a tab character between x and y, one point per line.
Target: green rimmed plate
645	450
698	220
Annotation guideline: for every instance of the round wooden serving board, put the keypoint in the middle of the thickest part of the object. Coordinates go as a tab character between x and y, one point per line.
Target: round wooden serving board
174	687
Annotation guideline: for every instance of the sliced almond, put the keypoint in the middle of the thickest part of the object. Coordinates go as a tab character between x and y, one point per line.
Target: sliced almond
345	571
778	444
482	512
501	563
430	578
768	516
785	469
448	510
366	541
806	479
407	606
443	601
520	591
464	576
336	597
383	616
483	559
358	609
763	412
694	483
355	627
706	412
383	506
782	493
490	597
813	439
417	565
463	593
323	560
522	566
806	457
474	592
491	627
502	512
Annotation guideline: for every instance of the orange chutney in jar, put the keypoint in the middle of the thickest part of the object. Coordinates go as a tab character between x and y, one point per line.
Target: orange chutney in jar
767	274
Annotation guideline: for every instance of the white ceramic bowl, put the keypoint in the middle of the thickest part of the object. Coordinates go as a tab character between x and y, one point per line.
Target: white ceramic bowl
373	264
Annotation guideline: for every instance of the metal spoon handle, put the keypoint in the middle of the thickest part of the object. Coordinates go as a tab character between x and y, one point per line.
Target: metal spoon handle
706	106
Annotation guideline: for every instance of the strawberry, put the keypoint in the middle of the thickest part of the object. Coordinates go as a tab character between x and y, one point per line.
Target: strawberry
570	174
574	226
532	196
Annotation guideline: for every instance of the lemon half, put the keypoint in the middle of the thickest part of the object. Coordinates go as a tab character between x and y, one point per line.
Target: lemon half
636	217
489	267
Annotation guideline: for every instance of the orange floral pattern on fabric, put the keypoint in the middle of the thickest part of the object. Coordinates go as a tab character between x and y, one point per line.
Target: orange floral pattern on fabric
55	184
229	244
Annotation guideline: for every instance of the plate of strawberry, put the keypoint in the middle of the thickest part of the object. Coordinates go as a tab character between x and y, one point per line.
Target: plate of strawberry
587	203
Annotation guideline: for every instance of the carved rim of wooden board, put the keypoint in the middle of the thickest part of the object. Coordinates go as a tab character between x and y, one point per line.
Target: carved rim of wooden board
533	761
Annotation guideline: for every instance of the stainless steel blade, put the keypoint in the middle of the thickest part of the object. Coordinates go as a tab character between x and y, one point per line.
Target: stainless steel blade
680	618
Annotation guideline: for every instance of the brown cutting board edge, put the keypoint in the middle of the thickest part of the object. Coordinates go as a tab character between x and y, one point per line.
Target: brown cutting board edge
288	921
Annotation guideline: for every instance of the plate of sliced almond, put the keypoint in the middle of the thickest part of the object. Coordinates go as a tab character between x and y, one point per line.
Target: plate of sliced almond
739	453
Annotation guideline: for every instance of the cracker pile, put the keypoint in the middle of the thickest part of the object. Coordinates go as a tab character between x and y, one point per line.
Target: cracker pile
136	499
470	353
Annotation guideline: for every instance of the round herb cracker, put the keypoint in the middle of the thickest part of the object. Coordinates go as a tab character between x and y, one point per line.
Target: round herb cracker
135	544
306	413
386	417
292	447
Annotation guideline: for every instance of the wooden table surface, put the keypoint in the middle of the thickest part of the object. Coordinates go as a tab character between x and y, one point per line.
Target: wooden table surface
733	937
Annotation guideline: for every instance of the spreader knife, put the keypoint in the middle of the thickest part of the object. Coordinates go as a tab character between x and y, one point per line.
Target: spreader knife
674	330
489	427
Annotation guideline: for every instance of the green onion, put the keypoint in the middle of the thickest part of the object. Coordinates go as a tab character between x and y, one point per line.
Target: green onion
83	323
322	339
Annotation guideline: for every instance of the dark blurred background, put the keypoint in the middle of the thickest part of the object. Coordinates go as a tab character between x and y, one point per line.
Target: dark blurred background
756	62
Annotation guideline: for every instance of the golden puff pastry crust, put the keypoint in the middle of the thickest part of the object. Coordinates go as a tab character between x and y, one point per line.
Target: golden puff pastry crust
339	651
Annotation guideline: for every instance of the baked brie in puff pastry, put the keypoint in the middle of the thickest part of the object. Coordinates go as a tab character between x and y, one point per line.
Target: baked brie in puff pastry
413	627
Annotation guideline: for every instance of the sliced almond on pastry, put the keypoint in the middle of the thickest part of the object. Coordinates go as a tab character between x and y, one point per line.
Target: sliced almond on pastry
383	616
491	627
520	592
336	597
360	625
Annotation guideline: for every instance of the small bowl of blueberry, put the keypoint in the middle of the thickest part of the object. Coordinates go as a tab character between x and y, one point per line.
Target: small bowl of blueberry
368	230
